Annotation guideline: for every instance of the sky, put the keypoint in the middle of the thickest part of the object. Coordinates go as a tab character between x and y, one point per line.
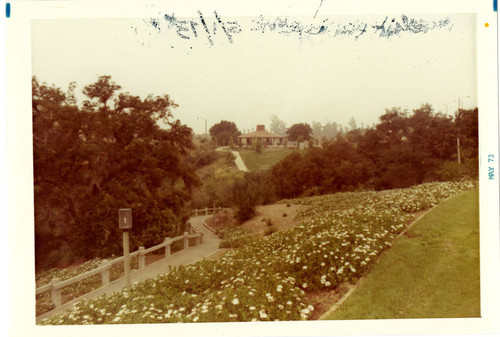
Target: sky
324	77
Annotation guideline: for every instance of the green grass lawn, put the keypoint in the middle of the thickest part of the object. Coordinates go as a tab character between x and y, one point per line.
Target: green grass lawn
264	160
432	271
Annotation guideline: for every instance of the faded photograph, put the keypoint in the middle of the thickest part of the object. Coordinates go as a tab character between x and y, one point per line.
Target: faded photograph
242	169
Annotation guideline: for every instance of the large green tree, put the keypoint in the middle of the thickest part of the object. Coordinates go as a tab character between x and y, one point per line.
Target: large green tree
223	131
299	129
114	151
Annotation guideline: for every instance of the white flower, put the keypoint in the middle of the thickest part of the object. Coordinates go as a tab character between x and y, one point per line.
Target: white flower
236	301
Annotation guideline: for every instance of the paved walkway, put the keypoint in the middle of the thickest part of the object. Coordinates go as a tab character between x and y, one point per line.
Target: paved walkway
240	164
192	254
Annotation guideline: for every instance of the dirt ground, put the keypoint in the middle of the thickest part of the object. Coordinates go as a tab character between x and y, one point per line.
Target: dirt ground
280	216
323	300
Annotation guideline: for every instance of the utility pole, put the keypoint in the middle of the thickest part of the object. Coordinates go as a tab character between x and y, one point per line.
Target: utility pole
458	150
206	134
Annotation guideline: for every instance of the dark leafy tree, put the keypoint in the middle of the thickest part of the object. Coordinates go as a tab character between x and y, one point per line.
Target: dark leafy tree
300	129
102	90
248	192
354	136
222	131
93	160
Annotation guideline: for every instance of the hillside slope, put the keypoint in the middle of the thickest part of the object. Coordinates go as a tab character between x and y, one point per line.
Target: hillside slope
430	272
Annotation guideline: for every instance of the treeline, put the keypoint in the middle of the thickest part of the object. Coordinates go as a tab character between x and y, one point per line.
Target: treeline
402	150
107	153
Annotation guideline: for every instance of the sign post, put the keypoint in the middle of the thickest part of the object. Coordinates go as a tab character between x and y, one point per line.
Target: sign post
125	224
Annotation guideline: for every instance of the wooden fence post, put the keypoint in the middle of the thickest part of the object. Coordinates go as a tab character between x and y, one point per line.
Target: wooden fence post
201	238
167	246
55	292
206	210
142	258
105	273
213	210
195	212
186	240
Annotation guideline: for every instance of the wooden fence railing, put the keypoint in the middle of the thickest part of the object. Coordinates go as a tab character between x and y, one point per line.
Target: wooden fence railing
205	211
56	285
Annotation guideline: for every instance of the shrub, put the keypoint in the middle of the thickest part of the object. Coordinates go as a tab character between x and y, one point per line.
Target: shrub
258	147
472	167
449	171
249	192
203	155
268	221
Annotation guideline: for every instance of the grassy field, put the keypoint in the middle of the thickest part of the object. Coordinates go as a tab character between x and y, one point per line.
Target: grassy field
262	161
431	271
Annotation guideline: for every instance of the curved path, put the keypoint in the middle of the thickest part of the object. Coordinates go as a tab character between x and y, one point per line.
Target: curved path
188	256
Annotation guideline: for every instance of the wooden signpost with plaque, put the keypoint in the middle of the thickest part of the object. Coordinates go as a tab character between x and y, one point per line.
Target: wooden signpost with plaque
125	224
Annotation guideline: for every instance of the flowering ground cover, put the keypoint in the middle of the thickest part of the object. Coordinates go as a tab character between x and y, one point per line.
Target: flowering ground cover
234	236
43	303
267	279
442	250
